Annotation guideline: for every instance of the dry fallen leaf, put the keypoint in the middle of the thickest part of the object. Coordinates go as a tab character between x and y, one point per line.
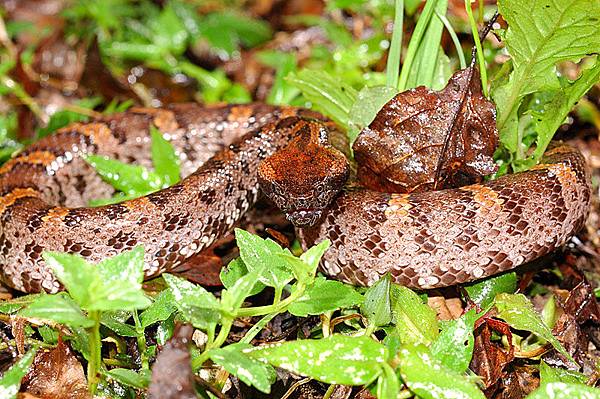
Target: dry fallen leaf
425	140
490	357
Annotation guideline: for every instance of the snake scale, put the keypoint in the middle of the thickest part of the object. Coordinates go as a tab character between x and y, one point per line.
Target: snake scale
424	240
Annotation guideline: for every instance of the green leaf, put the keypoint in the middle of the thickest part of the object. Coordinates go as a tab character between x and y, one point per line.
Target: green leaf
429	379
197	305
235	270
368	103
161	309
517	311
129	378
388	385
549	374
169	33
130	179
328	95
119	282
312	256
415	322
232	299
323	296
75	273
561	390
541	34
454	346
377	305
11	379
63	118
116	321
164	159
14	305
249	370
59	308
337	359
483	292
282	92
259	256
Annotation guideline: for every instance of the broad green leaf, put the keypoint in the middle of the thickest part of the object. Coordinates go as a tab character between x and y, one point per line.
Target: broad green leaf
561	390
75	273
549	374
388	384
10	382
323	296
235	270
483	292
415	322
541	34
13	305
197	305
227	30
169	32
232	299
312	256
429	379
161	309
251	371
368	103
130	179
517	311
59	308
164	159
116	321
337	359
328	95
282	92
119	282
377	305
129	377
454	346
259	256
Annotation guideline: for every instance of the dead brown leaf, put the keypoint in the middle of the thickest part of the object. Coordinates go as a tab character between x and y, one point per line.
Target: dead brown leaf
423	139
56	374
490	357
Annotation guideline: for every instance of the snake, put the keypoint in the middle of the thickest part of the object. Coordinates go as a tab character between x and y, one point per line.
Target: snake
227	153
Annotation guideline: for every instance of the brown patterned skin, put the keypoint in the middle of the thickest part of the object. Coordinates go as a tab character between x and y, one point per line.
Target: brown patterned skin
425	240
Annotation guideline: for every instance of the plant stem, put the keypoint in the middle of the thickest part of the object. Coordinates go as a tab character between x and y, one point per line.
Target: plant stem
415	41
275	308
95	352
141	341
480	58
257	327
455	40
393	62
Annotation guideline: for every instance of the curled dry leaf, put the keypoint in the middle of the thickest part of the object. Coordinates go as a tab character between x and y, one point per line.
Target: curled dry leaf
490	358
172	376
56	374
425	140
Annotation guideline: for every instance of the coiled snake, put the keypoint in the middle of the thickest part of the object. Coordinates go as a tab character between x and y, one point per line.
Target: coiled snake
424	240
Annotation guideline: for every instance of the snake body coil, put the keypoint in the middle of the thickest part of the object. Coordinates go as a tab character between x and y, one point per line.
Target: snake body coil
425	240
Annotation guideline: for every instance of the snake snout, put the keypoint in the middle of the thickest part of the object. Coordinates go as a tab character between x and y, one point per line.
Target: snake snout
304	217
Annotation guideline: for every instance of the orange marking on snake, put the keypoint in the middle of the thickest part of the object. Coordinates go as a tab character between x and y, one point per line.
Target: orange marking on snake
163	119
239	113
14	195
44	158
485	197
56	214
398	205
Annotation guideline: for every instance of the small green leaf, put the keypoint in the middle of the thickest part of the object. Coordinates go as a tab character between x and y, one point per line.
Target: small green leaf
517	311
377	306
129	378
549	374
59	308
259	256
368	103
561	390
484	292
312	256
14	305
388	385
10	382
130	179
234	271
161	309
454	346
164	159
249	370
232	299
75	273
282	92
197	305
429	379
323	296
116	321
337	359
415	322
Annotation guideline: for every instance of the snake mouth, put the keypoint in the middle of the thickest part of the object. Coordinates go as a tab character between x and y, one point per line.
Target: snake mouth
304	217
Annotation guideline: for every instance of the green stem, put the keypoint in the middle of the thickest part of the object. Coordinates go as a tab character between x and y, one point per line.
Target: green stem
393	62
95	359
257	327
480	58
277	295
480	9
275	308
455	40
141	341
415	41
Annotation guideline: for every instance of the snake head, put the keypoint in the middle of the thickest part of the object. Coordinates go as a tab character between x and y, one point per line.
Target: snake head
303	178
